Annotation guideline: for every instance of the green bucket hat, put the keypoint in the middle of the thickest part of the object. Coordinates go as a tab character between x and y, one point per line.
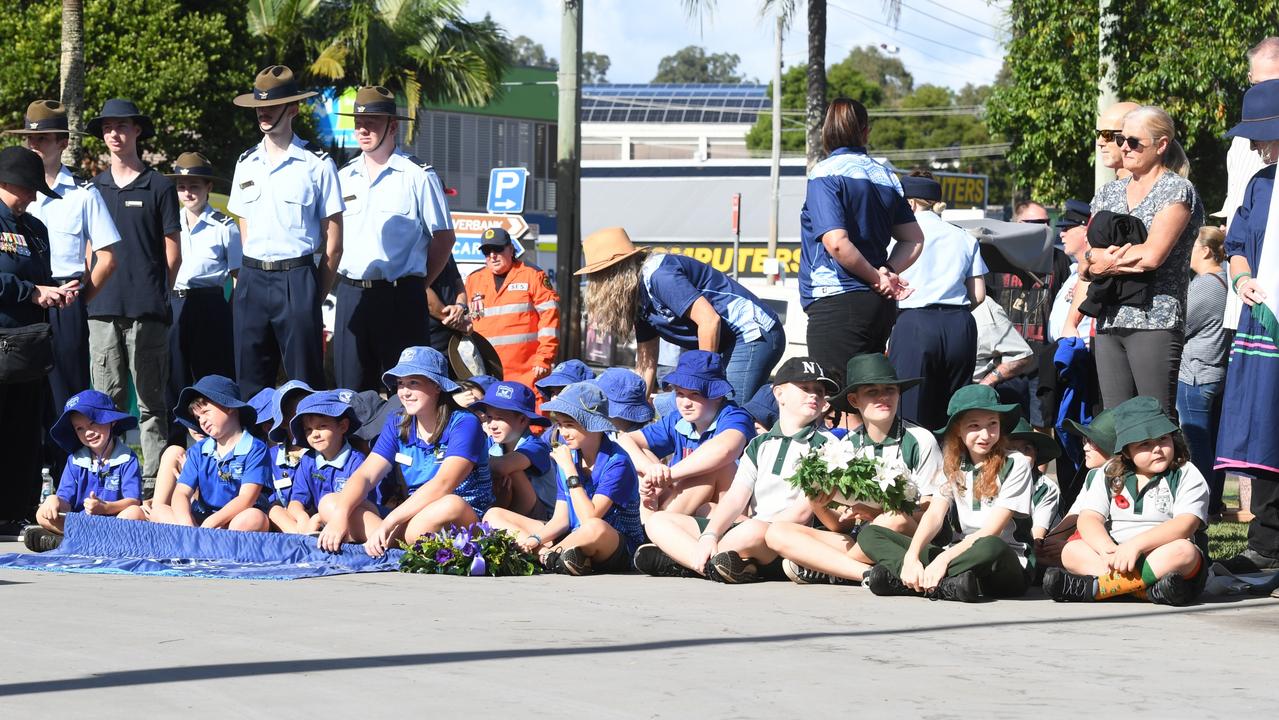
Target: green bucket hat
1138	419
1100	432
1045	447
868	369
980	397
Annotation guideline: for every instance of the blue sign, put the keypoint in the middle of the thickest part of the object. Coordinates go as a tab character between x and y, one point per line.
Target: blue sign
506	190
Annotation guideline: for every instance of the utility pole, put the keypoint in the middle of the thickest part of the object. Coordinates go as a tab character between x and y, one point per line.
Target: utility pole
776	170
568	203
1106	95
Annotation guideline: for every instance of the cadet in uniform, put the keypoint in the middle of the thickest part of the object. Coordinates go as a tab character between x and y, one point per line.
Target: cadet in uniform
395	208
285	192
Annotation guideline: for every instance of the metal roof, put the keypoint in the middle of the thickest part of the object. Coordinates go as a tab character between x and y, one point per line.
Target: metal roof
674	103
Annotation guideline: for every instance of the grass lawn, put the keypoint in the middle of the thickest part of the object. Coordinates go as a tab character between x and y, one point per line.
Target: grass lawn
1226	539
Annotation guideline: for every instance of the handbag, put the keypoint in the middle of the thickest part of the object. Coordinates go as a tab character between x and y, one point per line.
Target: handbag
26	353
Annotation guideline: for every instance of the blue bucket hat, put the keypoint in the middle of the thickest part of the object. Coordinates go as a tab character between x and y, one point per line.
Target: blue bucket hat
763	406
279	432
261	404
701	371
329	403
372	410
1260	119
513	396
99	408
565	374
627	395
585	403
484	381
219	390
664	404
420	360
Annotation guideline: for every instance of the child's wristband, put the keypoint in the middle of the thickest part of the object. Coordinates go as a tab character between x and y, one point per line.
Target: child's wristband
538	538
1238	278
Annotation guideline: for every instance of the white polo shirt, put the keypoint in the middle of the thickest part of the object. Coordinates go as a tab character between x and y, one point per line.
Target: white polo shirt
913	446
768	463
1044	500
1015	490
1140	507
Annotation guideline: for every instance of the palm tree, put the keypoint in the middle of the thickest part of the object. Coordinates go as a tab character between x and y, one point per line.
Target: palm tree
71	70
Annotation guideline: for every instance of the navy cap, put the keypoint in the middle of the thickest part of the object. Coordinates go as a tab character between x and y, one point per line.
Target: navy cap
495	237
218	390
627	395
421	360
921	188
1074	214
804	369
279	432
1260	119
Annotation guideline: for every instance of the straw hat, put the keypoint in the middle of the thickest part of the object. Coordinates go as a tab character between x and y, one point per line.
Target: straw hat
606	247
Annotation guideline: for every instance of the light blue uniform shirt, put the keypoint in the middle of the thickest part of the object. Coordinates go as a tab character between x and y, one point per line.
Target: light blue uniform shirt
389	219
78	219
950	257
284	204
210	250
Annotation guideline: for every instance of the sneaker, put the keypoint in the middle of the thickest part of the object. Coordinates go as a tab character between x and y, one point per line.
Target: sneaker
551	563
735	569
1171	589
959	588
12	531
37	539
882	581
808	576
1247	562
575	561
652	560
1064	586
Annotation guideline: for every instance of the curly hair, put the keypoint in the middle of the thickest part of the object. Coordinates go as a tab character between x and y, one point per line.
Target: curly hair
954	452
612	294
1121	464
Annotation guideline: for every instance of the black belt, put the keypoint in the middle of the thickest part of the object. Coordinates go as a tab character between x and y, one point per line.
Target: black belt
65	280
278	265
370	284
192	292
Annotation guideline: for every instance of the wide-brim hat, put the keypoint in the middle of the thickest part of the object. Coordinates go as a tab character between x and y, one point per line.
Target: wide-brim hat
763	406
512	396
1138	419
372	410
99	408
24	168
43	116
1046	448
1100	432
606	247
329	403
472	354
981	397
375	100
421	360
279	431
275	85
585	403
868	369
627	395
218	390
566	373
261	404
119	108
1260	119
701	371
194	164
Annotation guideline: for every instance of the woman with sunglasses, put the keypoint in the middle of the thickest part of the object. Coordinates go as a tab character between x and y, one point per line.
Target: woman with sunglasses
1139	346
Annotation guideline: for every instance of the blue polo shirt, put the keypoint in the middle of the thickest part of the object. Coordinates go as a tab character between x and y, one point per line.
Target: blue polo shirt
24	263
285	203
418	460
78	219
674	436
613	477
541	470
114	478
219	479
848	191
144	212
671	283
283	470
317	477
210	250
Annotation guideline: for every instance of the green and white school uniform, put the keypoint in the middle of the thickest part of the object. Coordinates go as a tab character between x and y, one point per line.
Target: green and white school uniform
913	446
1134	510
1044	500
769	462
1016	487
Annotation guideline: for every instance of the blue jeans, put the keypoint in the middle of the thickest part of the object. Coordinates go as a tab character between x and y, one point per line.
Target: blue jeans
1199	408
747	365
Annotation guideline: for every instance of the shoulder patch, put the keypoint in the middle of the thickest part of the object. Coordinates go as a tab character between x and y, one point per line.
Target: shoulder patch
223	218
315	150
83	182
418	162
244	155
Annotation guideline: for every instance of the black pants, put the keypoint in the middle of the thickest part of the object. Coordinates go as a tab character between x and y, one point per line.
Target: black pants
849	324
1263	531
201	342
70	373
939	344
21	446
372	326
276	321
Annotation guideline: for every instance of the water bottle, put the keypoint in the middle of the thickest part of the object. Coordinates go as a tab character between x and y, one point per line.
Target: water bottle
46	487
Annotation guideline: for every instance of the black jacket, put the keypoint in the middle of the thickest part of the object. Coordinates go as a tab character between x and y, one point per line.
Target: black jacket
1109	229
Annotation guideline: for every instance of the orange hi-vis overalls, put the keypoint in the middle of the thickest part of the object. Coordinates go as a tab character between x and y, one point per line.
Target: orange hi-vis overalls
521	319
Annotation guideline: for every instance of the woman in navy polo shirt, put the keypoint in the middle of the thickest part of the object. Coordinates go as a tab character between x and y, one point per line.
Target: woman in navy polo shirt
848	282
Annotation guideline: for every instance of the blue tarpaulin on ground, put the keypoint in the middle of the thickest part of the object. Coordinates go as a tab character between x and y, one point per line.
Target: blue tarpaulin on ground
96	544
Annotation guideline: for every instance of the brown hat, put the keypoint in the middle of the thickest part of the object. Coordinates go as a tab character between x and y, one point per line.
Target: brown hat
275	85
606	247
376	100
473	354
43	116
193	164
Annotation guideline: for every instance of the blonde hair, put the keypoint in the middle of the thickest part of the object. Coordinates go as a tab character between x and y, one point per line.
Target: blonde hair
1214	239
443	409
1160	124
986	484
612	295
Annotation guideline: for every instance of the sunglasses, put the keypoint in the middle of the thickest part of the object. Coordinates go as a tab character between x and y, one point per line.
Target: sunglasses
1133	143
1108	135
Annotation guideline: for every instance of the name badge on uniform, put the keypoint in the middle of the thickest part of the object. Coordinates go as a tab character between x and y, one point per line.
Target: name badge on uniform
519	286
283	483
246	184
403	459
133	203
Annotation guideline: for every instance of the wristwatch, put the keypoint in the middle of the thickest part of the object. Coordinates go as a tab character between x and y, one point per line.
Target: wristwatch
573	481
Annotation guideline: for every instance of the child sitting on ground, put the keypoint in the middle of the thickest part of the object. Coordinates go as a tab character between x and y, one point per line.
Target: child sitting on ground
285	454
1044	495
520	462
733	551
762	407
1098	438
563	375
597	507
227	471
627	393
102	476
1140	518
323	422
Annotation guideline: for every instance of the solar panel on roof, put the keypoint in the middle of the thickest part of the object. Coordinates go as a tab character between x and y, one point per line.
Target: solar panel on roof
673	102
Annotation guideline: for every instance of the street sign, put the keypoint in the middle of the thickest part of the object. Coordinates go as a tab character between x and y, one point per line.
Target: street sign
506	190
468	227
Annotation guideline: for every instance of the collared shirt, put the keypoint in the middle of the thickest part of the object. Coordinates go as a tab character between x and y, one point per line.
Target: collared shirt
847	191
997	339
144	212
109	479
210	250
912	445
676	437
1061	309
284	465
389	219
419	460
317	477
284	204
219	479
541	470
949	258
24	263
669	285
80	218
613	476
768	464
1134	510
1044	502
1015	490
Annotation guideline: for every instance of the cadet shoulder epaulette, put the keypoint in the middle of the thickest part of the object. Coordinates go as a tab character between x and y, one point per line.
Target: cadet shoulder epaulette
316	150
223	218
418	162
244	155
81	182
352	161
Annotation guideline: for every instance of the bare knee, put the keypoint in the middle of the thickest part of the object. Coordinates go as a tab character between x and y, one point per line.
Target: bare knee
897	522
133	512
250	520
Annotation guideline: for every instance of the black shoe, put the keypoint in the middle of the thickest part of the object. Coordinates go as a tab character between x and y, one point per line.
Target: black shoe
551	563
735	569
883	581
652	560
807	576
37	539
959	588
1065	586
1247	562
575	561
12	530
1171	589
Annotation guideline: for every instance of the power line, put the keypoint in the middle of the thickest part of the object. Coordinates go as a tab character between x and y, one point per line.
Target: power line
963	15
907	32
951	24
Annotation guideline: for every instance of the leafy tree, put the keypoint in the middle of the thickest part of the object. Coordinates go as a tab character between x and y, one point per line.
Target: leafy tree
594	67
887	72
841	81
528	52
693	65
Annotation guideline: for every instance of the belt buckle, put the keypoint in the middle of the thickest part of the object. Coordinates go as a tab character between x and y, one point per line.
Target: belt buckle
271	265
